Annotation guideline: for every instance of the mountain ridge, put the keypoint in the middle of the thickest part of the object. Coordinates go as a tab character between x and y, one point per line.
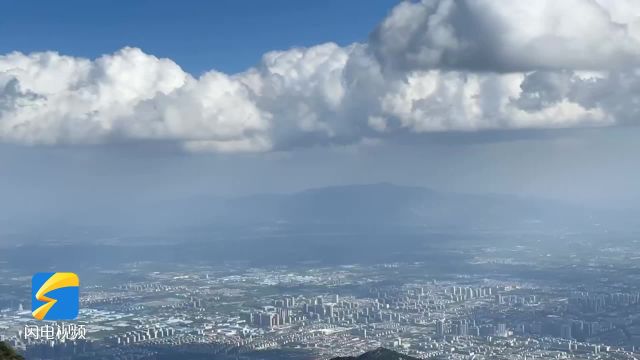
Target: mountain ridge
378	354
361	206
385	203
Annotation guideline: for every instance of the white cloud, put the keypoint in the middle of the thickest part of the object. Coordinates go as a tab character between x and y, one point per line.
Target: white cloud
431	66
436	101
509	35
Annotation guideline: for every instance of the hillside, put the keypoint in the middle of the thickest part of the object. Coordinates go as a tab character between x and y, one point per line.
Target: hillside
378	354
7	353
387	204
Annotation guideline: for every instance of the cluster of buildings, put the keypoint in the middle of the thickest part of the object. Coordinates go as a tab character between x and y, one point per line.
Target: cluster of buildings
135	336
236	312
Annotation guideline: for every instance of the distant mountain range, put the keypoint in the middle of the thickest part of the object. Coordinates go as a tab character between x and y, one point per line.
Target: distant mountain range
384	204
378	354
364	207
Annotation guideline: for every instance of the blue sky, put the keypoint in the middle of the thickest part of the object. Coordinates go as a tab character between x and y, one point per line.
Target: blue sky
226	35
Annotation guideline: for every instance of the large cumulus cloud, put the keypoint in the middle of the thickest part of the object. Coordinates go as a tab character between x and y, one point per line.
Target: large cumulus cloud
510	35
430	66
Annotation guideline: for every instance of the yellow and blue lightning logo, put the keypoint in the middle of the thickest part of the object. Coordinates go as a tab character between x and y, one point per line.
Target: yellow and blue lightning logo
55	296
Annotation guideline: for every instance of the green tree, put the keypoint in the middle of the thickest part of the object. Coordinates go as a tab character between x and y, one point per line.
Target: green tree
7	353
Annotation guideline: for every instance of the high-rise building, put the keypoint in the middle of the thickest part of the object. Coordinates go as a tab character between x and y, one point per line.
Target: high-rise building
440	328
501	330
328	310
463	329
565	331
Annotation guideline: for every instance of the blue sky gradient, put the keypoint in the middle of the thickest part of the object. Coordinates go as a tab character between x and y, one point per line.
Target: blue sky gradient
226	35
